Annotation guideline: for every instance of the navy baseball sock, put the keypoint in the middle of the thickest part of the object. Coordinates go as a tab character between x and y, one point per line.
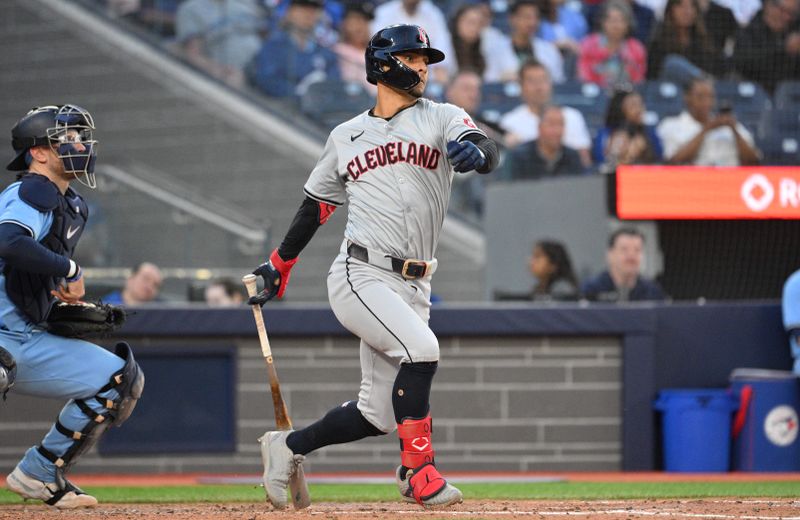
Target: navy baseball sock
344	423
412	392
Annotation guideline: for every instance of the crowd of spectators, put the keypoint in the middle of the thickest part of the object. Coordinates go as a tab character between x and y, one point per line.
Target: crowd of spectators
537	50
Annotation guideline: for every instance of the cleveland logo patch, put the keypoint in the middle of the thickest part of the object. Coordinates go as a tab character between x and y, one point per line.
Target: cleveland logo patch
391	153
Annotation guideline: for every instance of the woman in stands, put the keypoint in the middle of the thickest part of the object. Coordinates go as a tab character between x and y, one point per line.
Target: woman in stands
683	33
563	24
626	139
551	266
612	56
473	50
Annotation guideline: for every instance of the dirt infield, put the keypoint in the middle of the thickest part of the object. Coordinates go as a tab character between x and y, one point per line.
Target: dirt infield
715	509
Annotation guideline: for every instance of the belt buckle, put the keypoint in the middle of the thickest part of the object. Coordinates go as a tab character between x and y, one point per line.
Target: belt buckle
414	269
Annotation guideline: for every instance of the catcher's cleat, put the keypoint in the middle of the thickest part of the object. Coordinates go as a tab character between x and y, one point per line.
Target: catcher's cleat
431	492
279	465
71	497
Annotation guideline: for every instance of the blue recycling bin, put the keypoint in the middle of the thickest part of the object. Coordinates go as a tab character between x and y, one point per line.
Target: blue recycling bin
696	426
765	432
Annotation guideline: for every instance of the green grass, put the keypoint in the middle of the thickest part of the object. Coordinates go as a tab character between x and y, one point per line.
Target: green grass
385	492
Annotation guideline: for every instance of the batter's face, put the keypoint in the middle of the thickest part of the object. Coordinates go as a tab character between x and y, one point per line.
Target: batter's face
418	62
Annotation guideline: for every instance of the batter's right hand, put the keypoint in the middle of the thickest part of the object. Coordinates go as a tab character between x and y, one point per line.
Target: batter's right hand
275	273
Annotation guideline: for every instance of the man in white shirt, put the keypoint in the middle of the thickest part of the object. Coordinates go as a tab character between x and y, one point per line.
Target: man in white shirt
425	14
522	123
700	137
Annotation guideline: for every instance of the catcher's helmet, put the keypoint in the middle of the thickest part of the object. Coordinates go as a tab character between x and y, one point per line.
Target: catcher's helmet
8	370
62	127
394	39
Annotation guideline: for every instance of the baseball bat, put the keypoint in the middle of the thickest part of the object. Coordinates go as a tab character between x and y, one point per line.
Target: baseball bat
297	483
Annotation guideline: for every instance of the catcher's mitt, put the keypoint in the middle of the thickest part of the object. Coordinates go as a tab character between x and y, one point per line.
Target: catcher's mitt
78	320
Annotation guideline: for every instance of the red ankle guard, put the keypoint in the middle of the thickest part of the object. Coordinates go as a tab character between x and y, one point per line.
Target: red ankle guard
416	448
426	482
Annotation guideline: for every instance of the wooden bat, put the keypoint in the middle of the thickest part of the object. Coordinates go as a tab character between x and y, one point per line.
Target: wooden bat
297	483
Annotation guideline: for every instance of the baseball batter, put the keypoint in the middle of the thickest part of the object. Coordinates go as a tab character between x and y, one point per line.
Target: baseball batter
41	220
394	166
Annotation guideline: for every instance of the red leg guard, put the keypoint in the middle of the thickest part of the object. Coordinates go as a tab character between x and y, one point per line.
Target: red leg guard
416	448
417	453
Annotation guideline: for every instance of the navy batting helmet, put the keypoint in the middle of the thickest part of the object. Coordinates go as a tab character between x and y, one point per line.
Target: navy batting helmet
384	67
68	129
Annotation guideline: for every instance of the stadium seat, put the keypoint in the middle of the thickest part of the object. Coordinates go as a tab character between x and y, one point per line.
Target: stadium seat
779	137
662	98
749	100
498	98
590	99
787	95
333	102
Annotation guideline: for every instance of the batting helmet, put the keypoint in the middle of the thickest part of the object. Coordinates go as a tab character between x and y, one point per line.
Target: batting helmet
62	127
384	67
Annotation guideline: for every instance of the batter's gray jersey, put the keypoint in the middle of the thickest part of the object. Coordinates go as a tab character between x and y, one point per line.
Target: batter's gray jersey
394	174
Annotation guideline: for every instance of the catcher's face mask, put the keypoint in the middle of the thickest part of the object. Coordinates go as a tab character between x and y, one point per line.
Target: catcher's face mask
72	139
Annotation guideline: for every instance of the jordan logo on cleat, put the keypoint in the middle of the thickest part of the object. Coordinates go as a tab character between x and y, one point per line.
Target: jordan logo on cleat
354	137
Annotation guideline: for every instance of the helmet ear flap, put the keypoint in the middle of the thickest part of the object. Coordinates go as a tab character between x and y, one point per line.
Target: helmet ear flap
389	41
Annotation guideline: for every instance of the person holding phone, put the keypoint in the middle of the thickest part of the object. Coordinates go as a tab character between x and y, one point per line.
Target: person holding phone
703	137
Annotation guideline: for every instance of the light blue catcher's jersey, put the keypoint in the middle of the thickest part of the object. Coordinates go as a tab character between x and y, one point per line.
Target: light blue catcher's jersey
15	211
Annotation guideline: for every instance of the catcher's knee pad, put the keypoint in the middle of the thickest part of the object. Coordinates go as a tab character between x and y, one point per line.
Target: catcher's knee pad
8	371
127	385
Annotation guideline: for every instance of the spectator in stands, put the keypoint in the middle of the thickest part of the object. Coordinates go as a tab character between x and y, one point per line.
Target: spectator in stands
555	279
464	91
625	139
698	136
220	37
768	49
791	316
157	16
141	286
720	23
683	32
472	50
643	12
524	19
355	33
545	156
428	16
622	281
224	292
563	24
291	59
522	123
611	56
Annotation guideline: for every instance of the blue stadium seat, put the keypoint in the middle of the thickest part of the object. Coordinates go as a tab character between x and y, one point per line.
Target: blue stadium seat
779	137
787	95
590	99
749	100
333	102
662	98
498	98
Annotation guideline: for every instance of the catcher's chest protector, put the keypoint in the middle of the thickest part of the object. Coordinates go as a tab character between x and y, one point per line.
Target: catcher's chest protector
30	292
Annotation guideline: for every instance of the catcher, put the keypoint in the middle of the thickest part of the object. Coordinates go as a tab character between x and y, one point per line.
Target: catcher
41	221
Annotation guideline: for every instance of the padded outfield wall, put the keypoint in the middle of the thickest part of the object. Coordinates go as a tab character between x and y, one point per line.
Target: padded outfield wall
520	388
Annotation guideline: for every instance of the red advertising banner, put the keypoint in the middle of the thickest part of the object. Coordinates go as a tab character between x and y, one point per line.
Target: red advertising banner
701	193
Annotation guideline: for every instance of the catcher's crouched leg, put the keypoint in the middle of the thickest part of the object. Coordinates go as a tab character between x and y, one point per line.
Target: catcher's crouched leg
113	404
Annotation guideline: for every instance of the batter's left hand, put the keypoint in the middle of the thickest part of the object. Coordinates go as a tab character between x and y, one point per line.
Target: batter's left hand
465	156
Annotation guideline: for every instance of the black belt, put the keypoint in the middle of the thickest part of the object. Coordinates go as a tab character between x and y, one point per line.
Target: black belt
410	269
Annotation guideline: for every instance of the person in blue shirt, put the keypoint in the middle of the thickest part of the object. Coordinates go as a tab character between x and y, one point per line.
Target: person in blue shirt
292	58
41	220
791	316
622	281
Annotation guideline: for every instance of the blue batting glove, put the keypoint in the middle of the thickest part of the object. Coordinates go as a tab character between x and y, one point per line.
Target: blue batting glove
465	156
